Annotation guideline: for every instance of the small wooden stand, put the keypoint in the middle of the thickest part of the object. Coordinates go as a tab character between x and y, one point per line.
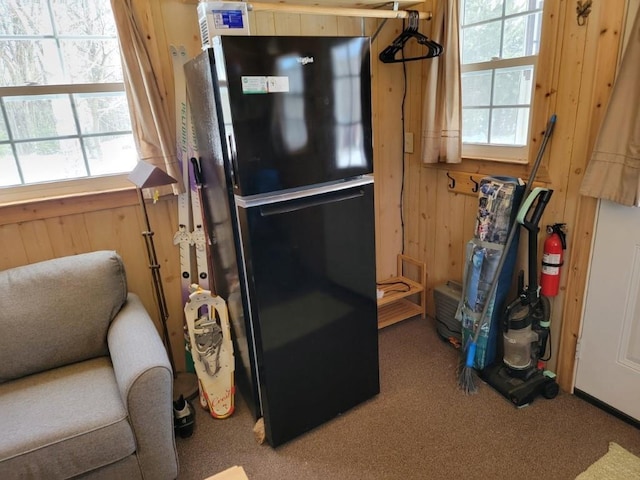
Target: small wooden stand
395	305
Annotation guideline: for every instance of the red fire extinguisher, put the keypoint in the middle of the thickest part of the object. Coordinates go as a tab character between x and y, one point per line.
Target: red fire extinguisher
552	259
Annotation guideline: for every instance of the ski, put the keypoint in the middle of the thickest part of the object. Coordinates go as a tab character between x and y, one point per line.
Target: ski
183	237
199	236
207	328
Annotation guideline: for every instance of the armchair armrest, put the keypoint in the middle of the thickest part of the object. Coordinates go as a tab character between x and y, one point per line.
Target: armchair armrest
145	380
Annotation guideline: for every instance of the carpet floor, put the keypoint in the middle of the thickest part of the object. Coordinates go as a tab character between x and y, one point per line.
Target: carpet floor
420	426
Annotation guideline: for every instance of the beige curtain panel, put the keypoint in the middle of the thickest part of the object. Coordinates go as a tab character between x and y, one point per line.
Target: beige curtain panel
613	173
150	120
441	113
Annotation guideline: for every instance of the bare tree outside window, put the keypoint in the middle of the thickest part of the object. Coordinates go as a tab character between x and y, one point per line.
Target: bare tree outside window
64	113
500	40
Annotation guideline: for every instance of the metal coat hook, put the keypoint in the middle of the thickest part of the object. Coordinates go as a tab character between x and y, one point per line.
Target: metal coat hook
475	185
582	11
452	181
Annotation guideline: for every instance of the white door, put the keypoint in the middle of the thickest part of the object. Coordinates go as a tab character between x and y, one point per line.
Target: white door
608	366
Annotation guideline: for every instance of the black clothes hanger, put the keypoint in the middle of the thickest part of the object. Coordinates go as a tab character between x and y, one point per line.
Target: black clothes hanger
388	55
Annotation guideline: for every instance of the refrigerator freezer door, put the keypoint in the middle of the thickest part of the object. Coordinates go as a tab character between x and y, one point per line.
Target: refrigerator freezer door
311	265
296	110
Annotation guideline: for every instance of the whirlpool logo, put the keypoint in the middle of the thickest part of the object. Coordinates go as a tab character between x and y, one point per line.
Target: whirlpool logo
304	60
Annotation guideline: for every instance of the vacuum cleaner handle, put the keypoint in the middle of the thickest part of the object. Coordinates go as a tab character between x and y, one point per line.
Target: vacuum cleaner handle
543	195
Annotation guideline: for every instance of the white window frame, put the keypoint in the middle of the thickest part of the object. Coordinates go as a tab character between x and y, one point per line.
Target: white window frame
496	152
60	187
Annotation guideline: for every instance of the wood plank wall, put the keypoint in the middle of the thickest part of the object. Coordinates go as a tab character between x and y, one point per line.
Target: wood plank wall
577	66
576	71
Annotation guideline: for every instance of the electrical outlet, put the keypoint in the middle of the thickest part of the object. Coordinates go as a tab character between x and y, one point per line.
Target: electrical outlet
408	142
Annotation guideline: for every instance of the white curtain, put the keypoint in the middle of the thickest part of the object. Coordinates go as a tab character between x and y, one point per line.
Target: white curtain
613	173
150	120
441	113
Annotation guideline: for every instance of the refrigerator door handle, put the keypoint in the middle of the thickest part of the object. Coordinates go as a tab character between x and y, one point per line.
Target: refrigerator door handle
234	159
299	204
347	185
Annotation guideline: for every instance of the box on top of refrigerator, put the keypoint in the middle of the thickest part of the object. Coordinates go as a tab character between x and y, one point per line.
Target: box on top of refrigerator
222	18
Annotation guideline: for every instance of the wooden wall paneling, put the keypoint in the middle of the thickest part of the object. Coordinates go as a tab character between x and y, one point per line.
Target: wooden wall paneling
422	191
69	235
151	23
167	251
413	161
415	226
264	23
287	24
35	240
178	25
171	22
426	219
41	209
121	230
352	26
602	44
106	233
319	25
469	219
12	250
129	225
564	63
548	70
162	216
571	123
412	205
388	159
252	23
449	242
574	274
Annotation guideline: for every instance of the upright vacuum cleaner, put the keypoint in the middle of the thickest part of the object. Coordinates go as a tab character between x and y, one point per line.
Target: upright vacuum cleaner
521	375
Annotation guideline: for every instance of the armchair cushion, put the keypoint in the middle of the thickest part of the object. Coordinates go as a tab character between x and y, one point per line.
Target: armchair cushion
53	426
58	311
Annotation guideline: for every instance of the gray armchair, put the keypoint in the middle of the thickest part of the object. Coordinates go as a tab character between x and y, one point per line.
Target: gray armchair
85	382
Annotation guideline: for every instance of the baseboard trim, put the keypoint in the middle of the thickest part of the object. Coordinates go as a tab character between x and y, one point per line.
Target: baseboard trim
607	408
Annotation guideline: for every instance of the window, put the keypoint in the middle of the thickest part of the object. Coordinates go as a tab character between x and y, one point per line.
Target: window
63	110
499	45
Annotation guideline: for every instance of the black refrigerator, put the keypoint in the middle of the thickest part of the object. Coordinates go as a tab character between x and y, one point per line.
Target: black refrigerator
283	127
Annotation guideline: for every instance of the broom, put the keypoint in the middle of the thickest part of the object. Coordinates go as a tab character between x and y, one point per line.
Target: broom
465	375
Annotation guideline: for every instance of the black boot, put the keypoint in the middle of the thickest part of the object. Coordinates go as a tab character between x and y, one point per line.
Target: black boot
183	417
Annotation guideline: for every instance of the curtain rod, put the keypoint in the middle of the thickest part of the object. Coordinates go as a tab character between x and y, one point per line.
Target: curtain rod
335	11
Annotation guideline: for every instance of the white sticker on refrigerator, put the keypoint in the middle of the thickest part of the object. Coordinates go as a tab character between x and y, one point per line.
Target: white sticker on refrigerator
254	85
278	84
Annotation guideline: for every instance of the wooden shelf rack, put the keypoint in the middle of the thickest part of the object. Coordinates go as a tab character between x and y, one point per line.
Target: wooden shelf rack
396	304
